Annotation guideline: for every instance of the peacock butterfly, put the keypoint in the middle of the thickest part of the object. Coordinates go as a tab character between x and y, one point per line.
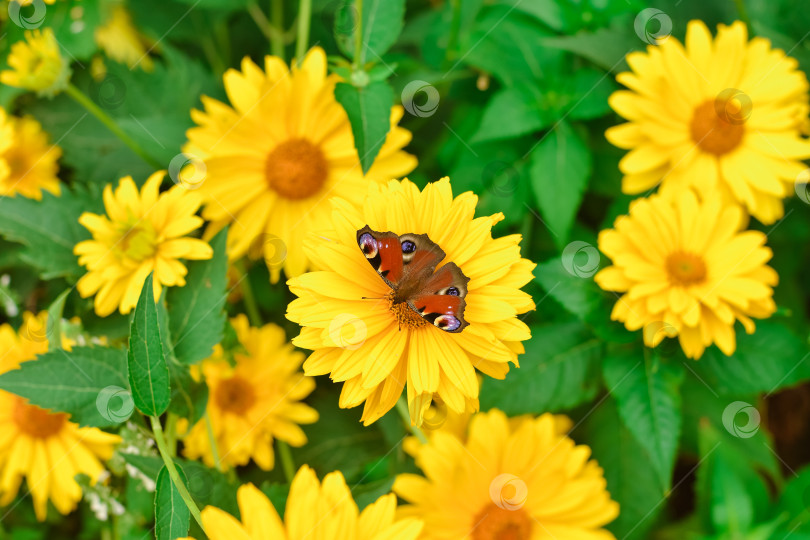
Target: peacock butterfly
407	263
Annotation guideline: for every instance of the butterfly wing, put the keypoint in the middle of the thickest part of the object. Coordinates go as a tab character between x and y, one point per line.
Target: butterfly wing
441	299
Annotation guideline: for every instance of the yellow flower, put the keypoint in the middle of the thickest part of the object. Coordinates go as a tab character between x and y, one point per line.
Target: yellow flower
314	511
28	164
687	268
715	115
122	42
44	448
37	64
274	159
254	401
524	479
141	233
372	342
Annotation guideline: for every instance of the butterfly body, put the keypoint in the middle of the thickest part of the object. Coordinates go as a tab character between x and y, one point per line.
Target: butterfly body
408	264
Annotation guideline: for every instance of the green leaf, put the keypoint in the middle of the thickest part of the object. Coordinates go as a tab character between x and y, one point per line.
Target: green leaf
49	229
189	396
196	311
745	371
560	168
369	111
510	113
559	370
631	478
89	383
649	402
382	24
148	374
589	94
172	516
605	47
53	324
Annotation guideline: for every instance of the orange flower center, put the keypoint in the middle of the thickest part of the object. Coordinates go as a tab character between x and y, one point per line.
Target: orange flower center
685	268
404	314
715	133
235	395
37	422
296	169
138	240
496	523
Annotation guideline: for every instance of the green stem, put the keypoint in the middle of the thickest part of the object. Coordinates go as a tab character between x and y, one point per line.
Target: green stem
304	14
157	431
358	36
210	49
287	463
743	11
212	441
277	16
171	433
105	119
270	32
402	409
247	295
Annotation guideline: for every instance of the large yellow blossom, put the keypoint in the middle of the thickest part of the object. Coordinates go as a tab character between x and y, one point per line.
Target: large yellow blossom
523	479
373	344
687	268
44	448
28	163
254	401
715	115
274	158
37	64
141	233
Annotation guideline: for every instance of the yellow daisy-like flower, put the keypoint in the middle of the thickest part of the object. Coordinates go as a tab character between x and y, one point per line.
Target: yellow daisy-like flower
274	159
28	163
122	42
314	511
687	268
44	448
141	233
522	480
254	401
365	337
724	114
37	64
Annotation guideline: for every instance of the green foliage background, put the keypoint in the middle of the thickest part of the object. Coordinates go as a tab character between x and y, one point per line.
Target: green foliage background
522	110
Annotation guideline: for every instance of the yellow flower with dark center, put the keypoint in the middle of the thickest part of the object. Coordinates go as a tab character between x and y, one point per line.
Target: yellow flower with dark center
254	401
142	233
274	158
28	164
37	64
363	335
313	511
687	268
715	115
122	42
44	448
521	480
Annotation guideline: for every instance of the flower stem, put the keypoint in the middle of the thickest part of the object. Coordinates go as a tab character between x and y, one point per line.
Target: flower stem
270	32
171	433
743	11
304	14
402	409
277	17
287	463
212	441
358	35
247	295
82	99
157	431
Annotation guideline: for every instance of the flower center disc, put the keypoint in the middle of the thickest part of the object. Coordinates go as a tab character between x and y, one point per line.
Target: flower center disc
37	422
496	523
138	241
685	268
235	395
296	169
404	314
713	133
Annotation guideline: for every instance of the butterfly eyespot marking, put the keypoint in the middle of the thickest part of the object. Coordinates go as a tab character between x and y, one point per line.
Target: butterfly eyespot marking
408	247
447	323
368	245
452	291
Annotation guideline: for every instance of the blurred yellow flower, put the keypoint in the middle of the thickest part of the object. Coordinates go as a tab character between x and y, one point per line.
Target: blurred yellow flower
37	64
274	159
687	268
28	164
724	115
363	335
44	448
122	42
314	511
510	479
254	401
141	233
